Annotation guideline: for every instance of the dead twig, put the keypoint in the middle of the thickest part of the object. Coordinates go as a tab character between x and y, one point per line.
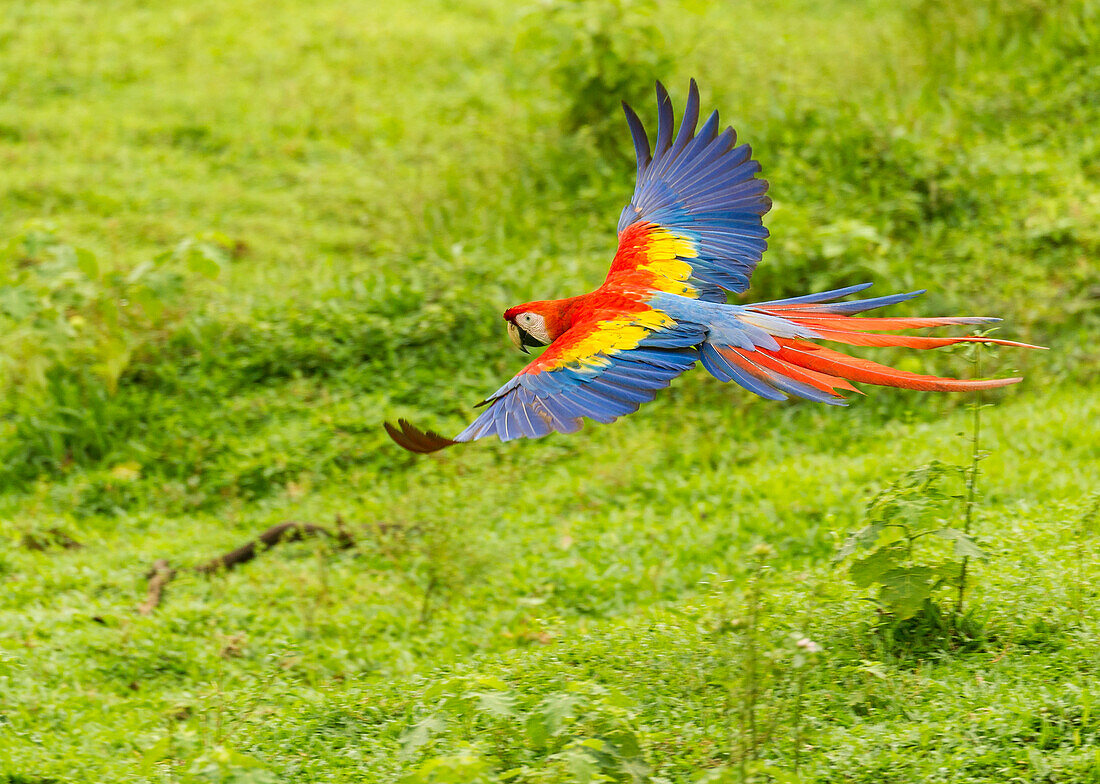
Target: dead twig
159	576
291	530
50	538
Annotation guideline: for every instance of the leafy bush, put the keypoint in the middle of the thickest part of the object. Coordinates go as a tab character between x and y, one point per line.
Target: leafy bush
907	531
586	731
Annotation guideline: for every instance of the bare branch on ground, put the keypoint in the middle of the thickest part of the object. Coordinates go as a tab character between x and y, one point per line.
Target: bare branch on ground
292	530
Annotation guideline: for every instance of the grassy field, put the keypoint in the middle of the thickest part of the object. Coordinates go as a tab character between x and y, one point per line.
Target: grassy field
235	237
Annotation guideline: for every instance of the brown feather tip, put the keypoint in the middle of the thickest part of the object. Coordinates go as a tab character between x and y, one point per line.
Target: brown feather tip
421	442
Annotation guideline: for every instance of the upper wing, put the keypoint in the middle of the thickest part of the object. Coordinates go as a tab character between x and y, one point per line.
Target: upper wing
600	369
694	226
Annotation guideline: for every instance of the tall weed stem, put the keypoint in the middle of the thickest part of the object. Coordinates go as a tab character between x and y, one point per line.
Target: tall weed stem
972	478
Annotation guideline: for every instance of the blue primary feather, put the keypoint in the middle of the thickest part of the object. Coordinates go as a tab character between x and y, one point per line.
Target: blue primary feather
842	308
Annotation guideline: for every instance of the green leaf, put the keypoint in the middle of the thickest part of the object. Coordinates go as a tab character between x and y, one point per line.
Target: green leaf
420	733
580	764
617	699
624	744
86	263
556	709
965	546
719	775
206	260
636	769
537	733
232	758
491	682
861	539
443	687
160	750
149	301
496	703
462	768
904	589
138	272
16	303
874	669
114	355
949	573
868	570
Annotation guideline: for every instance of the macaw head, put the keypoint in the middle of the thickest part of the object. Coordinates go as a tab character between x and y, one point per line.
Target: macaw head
529	325
540	323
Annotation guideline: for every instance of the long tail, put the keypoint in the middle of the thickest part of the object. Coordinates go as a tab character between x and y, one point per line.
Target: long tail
783	360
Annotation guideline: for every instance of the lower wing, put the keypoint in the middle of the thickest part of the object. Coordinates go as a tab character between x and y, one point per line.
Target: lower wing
600	369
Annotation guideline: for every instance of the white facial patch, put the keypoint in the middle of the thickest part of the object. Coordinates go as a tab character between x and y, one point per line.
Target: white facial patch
534	325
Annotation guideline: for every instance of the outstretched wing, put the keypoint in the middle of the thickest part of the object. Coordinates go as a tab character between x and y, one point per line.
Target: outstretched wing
694	226
600	369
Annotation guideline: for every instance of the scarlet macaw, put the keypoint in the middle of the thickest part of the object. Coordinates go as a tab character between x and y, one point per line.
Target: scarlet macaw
692	232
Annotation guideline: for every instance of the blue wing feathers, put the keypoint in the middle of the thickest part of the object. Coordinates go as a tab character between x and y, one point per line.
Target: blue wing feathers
768	384
695	170
534	404
694	163
860	305
843	308
637	374
595	407
702	186
677	360
675	337
721	369
797	388
821	296
508	428
622	393
559	417
665	121
530	426
641	140
702	141
687	126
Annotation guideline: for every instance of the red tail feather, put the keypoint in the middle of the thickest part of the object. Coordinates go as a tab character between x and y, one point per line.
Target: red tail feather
853	338
803	368
772	361
866	323
824	369
829	362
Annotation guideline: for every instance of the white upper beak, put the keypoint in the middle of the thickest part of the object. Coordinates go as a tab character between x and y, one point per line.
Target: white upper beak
517	340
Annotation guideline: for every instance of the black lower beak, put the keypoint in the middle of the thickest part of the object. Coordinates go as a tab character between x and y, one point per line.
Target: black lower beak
526	340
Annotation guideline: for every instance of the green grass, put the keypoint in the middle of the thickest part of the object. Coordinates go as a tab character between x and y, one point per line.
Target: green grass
372	185
601	575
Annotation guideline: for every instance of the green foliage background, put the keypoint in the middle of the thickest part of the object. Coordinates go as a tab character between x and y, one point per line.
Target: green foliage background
235	237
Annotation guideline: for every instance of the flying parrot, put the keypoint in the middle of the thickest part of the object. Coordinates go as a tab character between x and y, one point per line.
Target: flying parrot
692	232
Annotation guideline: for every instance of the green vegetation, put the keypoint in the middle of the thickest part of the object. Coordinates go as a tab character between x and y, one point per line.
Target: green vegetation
235	237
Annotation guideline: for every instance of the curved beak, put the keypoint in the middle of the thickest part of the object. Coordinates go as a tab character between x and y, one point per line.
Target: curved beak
517	335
